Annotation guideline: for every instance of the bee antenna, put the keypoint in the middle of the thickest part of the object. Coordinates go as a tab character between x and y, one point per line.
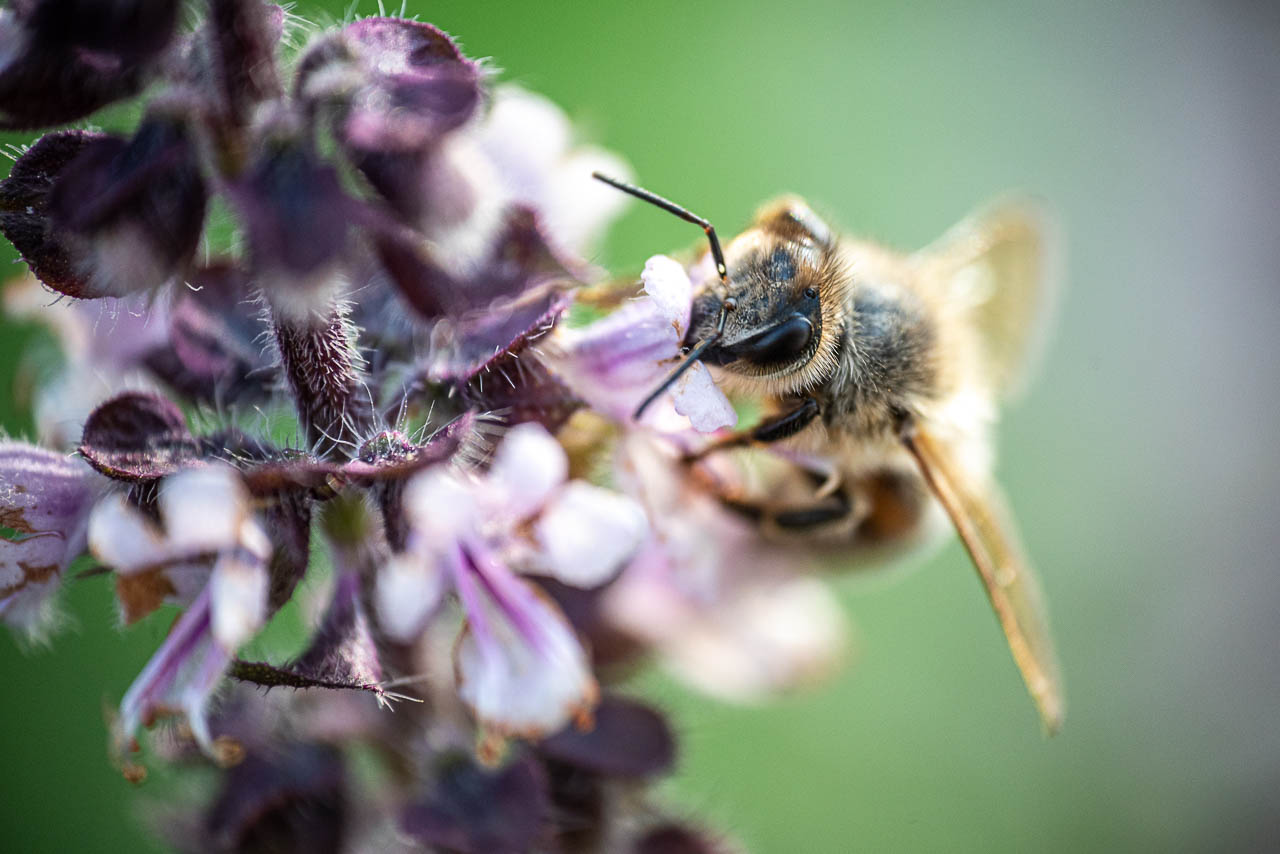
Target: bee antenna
688	216
694	355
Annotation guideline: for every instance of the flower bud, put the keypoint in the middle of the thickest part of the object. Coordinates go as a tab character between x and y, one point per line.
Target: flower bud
66	58
96	215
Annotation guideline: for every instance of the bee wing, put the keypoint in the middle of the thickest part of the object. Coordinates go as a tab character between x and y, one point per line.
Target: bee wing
988	534
1000	266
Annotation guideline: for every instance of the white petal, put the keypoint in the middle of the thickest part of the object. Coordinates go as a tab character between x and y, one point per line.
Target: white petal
28	603
527	467
770	639
697	396
668	285
580	209
409	589
527	138
122	538
238	591
525	134
588	533
203	508
440	504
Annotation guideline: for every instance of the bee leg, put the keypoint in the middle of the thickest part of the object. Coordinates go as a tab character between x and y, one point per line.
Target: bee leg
787	425
773	430
793	519
804	518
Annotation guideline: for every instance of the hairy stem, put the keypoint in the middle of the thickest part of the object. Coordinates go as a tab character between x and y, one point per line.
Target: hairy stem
320	363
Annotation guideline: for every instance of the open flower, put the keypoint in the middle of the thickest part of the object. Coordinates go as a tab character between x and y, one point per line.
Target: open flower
207	523
529	141
392	246
616	362
732	615
520	666
44	506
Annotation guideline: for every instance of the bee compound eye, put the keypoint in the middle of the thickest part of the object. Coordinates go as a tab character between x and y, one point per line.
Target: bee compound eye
778	344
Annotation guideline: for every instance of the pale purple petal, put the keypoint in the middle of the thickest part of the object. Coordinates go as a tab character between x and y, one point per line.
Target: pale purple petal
124	539
527	467
668	286
409	589
238	589
587	533
616	362
697	396
528	140
183	674
766	641
45	500
520	667
204	508
440	505
582	209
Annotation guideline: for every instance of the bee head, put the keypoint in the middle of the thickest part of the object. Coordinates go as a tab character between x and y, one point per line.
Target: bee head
764	315
781	286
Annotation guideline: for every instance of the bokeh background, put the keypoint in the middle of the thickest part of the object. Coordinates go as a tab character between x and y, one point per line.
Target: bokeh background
1143	465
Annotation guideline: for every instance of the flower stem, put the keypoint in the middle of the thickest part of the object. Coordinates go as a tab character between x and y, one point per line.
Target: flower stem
320	363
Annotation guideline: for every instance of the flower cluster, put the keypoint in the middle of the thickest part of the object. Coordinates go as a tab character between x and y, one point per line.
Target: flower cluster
375	373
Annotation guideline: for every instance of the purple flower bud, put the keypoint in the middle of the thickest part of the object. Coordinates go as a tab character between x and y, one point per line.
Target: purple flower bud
131	212
291	797
395	87
475	810
679	839
24	209
519	259
137	437
96	215
418	84
629	739
212	355
130	28
515	294
45	500
298	220
243	36
66	58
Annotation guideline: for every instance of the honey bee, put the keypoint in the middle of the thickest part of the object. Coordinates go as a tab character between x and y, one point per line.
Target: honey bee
880	374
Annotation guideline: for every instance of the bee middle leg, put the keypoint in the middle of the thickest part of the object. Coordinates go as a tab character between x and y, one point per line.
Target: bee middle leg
774	429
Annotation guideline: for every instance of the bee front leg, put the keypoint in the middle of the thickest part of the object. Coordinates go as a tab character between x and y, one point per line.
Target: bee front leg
773	429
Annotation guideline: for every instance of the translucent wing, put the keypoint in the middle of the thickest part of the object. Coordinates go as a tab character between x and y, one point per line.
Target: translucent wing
988	534
1000	266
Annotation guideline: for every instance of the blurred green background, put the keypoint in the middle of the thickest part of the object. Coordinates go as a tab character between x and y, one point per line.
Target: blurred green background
1143	465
